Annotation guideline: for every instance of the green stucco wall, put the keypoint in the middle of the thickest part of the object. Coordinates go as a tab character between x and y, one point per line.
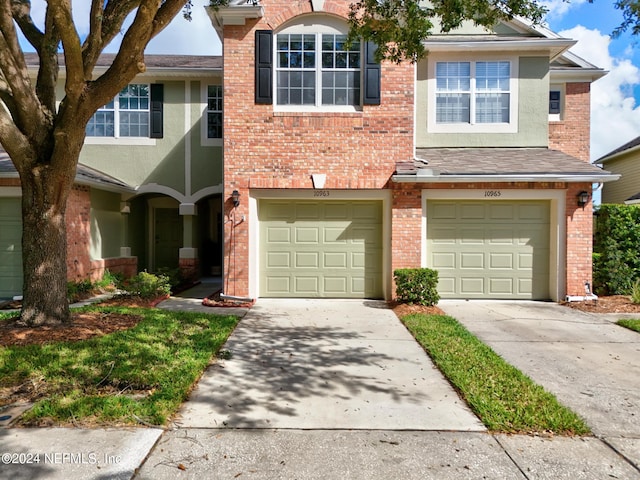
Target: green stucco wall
107	225
533	111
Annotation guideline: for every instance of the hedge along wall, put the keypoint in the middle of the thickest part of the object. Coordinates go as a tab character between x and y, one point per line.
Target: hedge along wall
616	249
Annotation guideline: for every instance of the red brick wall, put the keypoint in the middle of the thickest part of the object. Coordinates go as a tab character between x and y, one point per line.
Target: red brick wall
127	266
267	149
579	240
78	219
572	134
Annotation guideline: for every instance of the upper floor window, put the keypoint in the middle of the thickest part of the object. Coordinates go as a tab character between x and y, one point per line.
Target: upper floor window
317	69
136	111
472	95
473	92
127	115
214	111
556	95
308	66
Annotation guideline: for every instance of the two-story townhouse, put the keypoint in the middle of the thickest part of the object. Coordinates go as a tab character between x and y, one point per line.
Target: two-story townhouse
149	183
624	162
339	170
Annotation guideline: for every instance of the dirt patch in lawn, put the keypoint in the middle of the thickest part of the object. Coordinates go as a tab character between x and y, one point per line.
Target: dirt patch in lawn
83	325
402	309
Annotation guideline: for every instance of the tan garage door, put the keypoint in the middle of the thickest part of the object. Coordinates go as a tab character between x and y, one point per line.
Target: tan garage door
494	249
10	247
329	249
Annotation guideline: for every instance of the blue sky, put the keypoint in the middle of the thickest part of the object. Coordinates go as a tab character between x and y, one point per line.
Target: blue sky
615	114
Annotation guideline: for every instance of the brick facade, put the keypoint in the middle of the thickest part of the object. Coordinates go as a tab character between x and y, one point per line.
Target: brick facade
273	150
276	150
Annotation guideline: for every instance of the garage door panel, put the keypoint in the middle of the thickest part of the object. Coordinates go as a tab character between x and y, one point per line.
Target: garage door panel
472	286
501	260
278	235
490	249
338	254
307	235
472	260
10	247
335	260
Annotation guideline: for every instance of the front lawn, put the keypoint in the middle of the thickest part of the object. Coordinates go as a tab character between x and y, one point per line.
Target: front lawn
631	324
139	375
504	398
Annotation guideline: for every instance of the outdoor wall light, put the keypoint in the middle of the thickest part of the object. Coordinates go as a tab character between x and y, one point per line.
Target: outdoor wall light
583	198
235	198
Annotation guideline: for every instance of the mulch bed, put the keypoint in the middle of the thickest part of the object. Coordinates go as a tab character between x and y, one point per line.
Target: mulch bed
608	304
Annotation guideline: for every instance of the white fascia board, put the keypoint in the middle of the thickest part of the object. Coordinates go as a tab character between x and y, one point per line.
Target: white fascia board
554	47
503	178
632	202
571	75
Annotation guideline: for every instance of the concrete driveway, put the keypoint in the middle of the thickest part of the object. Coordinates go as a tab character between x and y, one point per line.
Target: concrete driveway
588	362
319	364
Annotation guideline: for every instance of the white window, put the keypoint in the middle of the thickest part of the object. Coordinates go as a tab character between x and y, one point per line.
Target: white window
214	111
556	101
317	69
473	96
127	115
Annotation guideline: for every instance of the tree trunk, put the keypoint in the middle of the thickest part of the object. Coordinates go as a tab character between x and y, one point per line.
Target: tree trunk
44	247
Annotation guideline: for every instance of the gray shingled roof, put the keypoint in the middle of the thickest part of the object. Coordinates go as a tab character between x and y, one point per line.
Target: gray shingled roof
499	161
196	62
84	175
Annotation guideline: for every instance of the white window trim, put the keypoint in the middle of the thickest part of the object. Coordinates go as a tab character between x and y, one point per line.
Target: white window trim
117	140
205	141
434	127
558	117
319	26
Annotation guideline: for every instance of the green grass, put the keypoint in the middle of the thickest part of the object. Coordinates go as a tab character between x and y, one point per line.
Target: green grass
631	324
504	398
92	381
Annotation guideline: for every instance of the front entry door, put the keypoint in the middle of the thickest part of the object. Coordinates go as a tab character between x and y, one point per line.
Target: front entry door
167	237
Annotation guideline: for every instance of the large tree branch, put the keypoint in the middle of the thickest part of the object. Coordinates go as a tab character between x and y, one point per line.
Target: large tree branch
28	115
22	15
63	22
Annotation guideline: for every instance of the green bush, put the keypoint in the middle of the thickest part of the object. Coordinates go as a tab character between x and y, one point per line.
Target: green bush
416	285
148	285
110	279
616	263
78	290
635	292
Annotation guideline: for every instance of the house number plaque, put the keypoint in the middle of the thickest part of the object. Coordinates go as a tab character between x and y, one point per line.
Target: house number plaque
492	193
321	193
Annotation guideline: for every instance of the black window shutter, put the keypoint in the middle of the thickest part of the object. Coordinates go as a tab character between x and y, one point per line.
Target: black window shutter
264	67
371	76
554	102
157	99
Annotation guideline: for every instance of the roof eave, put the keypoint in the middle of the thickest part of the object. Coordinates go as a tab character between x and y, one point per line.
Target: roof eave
617	155
580	75
555	46
488	178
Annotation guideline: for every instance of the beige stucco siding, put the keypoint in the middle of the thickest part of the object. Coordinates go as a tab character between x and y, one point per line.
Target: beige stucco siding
107	225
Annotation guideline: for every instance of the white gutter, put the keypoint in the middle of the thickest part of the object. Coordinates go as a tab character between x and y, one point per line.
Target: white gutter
542	177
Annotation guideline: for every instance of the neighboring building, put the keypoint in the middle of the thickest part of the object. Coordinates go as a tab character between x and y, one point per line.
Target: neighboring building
624	161
338	170
149	185
470	162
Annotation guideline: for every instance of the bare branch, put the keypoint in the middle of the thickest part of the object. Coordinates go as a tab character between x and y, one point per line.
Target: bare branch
93	43
22	15
63	21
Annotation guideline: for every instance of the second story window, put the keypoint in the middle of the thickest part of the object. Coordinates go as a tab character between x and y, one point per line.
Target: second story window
473	92
317	70
127	115
214	111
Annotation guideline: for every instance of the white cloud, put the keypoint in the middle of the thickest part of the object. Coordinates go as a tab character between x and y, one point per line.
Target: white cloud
559	8
615	117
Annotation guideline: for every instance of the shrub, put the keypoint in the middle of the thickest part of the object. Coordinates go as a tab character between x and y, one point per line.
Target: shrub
635	292
616	263
79	290
110	280
148	285
416	285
